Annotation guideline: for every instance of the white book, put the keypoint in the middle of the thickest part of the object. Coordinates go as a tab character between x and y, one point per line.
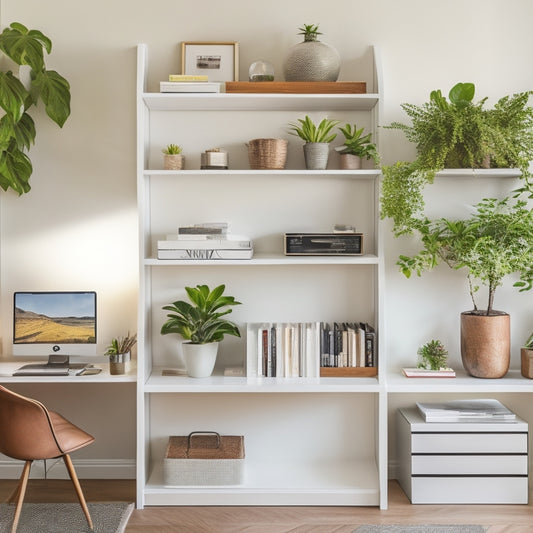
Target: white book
228	243
456	410
189	87
212	254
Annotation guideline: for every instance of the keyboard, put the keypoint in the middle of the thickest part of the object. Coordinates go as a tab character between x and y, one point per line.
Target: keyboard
38	369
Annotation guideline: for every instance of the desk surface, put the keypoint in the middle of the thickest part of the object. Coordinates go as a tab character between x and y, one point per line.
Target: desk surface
7	369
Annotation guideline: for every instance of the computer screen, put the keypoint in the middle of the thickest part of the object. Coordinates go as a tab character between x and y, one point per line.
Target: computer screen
54	323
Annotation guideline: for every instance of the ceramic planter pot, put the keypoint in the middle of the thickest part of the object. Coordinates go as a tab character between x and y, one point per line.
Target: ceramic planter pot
316	155
350	162
200	358
485	344
117	363
526	362
312	61
173	161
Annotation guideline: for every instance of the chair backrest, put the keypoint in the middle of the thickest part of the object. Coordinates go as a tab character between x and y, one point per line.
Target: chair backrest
25	428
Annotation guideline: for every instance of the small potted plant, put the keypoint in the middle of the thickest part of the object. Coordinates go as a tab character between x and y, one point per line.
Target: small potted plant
317	139
526	358
119	352
433	356
356	147
200	324
173	158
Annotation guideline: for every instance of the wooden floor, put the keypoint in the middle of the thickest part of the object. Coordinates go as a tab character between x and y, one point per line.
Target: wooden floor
500	518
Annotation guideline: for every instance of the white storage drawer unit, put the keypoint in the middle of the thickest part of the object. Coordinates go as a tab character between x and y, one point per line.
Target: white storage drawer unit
462	462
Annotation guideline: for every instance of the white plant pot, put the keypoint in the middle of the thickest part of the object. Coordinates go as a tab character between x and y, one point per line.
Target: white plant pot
200	358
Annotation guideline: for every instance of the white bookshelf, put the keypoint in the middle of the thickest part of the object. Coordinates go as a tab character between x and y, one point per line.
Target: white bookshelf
308	441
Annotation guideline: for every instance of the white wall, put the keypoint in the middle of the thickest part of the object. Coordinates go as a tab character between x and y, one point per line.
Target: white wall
77	227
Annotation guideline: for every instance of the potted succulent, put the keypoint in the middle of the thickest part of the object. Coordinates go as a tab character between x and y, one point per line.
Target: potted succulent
173	158
526	358
496	241
356	147
119	352
317	139
456	133
26	48
433	356
311	60
200	323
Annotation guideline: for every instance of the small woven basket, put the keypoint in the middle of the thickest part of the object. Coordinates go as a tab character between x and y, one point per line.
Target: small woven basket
267	154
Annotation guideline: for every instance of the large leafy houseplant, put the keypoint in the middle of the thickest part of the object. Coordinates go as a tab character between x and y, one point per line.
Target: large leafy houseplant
456	133
17	128
200	320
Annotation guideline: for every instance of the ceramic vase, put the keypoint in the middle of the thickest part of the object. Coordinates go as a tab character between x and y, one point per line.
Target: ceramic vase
200	358
485	344
312	61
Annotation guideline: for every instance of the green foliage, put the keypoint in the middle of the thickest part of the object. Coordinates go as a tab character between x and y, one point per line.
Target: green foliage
357	144
121	345
172	149
308	131
201	323
457	133
529	343
434	355
310	32
17	129
496	241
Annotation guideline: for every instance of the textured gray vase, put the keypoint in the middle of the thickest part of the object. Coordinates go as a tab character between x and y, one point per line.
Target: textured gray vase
312	61
316	155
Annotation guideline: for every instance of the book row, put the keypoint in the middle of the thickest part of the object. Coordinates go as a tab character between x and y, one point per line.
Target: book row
302	349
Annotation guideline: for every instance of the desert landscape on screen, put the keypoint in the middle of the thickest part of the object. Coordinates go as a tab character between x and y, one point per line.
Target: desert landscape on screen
34	327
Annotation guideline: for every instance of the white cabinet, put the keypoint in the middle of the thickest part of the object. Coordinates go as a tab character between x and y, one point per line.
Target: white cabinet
307	441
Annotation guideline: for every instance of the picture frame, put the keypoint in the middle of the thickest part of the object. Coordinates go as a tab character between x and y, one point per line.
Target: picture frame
219	60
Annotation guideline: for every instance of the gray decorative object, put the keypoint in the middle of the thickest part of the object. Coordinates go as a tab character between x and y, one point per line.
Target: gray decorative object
311	60
316	155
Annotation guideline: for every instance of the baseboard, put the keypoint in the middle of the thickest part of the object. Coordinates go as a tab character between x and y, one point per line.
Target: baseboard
85	468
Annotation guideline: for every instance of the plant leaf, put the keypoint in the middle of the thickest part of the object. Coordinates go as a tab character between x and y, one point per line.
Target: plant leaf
55	93
12	95
15	170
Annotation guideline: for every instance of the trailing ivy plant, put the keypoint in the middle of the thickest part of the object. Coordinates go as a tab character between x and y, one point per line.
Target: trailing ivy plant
456	133
17	128
496	241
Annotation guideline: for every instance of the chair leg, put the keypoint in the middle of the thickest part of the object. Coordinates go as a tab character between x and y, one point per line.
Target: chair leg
79	492
19	494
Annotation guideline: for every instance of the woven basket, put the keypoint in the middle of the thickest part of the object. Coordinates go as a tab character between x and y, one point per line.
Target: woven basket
267	154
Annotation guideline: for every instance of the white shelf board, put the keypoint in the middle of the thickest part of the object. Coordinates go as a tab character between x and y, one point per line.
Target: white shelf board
350	174
157	383
462	383
320	483
259	102
479	173
271	259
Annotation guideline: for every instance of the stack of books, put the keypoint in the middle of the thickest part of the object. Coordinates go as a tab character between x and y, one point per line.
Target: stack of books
205	241
466	411
302	349
185	83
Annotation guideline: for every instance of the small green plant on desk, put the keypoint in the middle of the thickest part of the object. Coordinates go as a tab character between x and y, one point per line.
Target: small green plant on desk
119	352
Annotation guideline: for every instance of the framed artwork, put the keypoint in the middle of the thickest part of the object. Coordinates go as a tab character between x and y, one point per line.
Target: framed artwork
218	60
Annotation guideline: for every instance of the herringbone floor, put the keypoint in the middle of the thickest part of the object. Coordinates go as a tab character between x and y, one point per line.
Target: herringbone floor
500	518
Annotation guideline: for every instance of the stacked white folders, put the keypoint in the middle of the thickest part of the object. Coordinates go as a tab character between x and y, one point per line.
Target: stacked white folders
183	83
205	243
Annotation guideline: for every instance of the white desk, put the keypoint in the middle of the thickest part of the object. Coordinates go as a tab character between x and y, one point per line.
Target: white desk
7	369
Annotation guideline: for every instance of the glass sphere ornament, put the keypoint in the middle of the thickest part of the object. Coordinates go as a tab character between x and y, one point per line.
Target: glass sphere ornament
261	71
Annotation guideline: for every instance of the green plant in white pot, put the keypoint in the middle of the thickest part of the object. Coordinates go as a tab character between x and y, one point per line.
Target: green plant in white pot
17	129
317	139
200	323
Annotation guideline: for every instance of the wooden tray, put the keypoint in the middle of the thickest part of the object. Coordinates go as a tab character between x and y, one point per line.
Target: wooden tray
297	87
349	372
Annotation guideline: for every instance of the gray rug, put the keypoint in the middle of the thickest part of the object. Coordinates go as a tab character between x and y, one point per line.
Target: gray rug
66	517
425	528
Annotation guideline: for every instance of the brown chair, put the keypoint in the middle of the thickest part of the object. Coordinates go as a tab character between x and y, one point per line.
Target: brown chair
28	432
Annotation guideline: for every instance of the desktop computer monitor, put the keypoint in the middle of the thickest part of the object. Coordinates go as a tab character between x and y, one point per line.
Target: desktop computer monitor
54	325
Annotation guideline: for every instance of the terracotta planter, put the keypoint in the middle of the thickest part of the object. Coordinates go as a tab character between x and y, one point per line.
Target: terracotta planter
526	362
350	162
485	344
200	358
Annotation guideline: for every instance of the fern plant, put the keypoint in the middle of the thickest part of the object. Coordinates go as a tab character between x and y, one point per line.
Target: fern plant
309	132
